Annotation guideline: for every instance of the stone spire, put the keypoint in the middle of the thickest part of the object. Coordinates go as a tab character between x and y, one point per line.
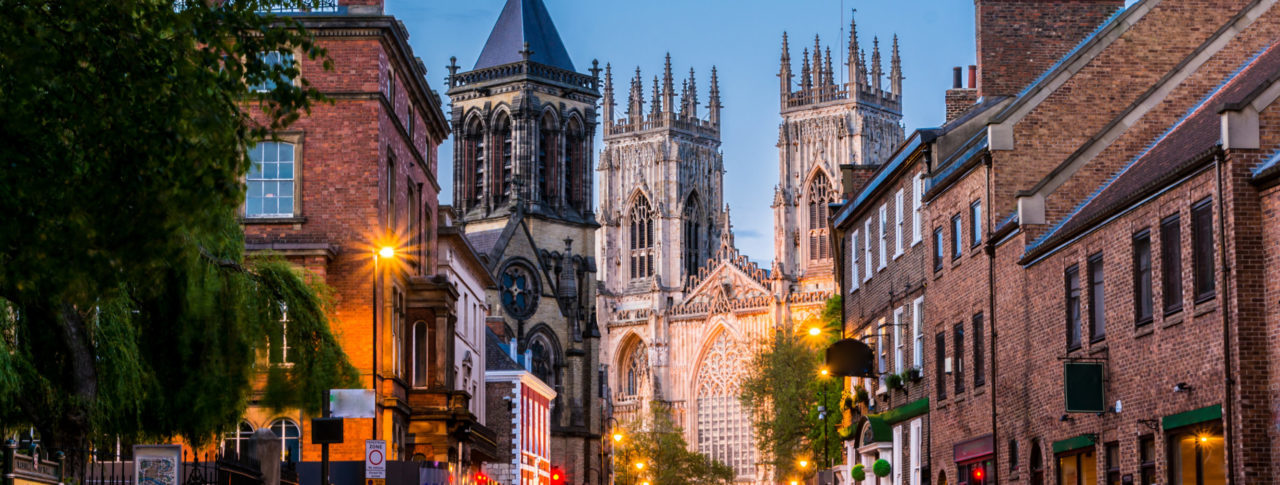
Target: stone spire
831	73
876	72
635	106
806	82
713	103
668	88
684	97
608	104
784	71
656	109
692	97
855	67
895	69
862	66
818	75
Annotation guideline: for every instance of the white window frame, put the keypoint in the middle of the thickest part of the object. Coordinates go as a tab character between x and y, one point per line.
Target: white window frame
975	213
917	204
866	250
917	432
899	343
897	455
917	331
881	365
277	184
884	222
900	223
853	262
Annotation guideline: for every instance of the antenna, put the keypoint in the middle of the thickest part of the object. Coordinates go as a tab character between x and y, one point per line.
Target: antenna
843	60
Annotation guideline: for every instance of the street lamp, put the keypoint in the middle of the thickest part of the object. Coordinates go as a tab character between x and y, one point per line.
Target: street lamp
804	463
822	410
385	252
815	331
639	465
611	423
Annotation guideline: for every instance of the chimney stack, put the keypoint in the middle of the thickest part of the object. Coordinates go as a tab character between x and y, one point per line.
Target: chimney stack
959	98
1019	39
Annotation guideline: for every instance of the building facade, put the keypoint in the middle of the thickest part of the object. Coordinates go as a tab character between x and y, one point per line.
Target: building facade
683	310
522	404
524	122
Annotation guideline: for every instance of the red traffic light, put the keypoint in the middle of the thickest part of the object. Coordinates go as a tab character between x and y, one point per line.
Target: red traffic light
557	476
979	474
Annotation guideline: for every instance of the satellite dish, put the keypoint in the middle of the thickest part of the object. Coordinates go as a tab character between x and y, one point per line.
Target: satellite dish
851	358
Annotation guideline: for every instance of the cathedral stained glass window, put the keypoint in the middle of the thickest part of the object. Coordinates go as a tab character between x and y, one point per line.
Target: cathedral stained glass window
519	290
724	427
820	195
642	241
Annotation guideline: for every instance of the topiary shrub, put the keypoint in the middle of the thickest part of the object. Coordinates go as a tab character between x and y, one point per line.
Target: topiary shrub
881	468
858	473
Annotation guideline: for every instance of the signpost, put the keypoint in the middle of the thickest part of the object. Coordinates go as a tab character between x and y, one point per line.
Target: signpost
375	461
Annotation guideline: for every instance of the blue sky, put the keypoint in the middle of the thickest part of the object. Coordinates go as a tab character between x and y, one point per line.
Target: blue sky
742	39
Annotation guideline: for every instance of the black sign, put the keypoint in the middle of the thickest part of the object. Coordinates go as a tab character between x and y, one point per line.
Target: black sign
851	358
326	430
1083	387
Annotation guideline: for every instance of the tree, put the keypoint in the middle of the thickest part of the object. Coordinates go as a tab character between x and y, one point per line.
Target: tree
129	308
784	388
657	443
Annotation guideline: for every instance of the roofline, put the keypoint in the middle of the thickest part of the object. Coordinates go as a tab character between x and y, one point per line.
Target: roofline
905	152
525	377
1156	188
471	255
963	166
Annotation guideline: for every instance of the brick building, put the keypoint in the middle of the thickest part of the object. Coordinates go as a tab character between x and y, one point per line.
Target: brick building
518	404
349	177
1100	218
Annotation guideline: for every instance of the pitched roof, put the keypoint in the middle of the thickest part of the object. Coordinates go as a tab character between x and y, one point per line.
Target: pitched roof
524	21
1183	146
495	355
484	241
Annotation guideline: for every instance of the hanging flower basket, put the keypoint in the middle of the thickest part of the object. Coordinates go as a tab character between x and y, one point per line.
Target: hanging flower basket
894	381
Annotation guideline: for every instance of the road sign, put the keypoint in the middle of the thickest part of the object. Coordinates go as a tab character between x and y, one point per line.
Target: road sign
375	459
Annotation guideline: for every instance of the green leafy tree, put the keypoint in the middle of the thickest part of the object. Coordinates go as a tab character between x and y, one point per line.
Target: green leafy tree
783	390
658	443
129	308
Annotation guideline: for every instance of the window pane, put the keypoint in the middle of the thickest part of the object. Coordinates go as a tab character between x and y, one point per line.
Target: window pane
1202	233
1068	470
1097	300
1073	307
956	230
1088	468
975	220
1142	295
940	357
979	374
957	368
1171	263
420	354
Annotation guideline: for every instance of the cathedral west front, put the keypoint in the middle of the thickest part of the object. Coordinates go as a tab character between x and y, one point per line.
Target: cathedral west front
680	309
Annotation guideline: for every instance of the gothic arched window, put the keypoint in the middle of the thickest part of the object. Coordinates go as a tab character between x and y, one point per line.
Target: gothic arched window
506	157
724	427
636	363
692	235
819	195
546	169
575	165
642	241
542	361
474	155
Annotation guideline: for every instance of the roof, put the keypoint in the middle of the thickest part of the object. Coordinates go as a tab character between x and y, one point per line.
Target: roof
1169	157
483	241
521	22
495	354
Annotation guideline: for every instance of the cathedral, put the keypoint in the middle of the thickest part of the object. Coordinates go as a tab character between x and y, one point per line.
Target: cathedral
681	309
524	123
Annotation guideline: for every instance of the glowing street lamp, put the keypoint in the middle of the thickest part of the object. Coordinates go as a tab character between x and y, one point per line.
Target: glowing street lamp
617	437
639	465
804	463
815	331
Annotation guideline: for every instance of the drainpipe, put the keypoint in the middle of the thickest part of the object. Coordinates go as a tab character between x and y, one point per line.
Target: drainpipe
1229	382
991	305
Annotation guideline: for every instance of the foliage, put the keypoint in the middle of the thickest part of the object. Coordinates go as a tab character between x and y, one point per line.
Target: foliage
783	390
659	443
858	473
894	381
881	468
129	307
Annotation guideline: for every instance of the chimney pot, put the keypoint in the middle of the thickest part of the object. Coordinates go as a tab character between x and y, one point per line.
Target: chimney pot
956	78
973	76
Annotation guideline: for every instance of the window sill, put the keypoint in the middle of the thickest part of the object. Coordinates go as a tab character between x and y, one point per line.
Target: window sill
273	220
1172	320
1205	306
1100	348
1144	330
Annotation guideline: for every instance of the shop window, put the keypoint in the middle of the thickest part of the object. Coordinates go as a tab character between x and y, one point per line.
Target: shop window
975	472
1078	468
1197	456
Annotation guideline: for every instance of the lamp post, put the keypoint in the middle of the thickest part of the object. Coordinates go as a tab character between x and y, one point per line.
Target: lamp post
826	447
611	423
385	252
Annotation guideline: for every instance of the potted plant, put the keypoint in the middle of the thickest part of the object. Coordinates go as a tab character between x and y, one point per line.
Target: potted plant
860	395
858	473
894	381
914	374
881	468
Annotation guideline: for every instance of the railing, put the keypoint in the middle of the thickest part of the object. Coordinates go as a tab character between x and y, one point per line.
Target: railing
523	68
306	6
693	125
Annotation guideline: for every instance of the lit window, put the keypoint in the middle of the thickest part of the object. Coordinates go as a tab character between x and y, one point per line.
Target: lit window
270	180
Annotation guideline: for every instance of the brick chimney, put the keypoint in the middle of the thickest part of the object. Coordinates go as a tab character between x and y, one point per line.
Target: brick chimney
1019	39
960	98
362	7
854	178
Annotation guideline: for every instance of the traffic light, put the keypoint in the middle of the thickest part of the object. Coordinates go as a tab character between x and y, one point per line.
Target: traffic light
978	474
557	476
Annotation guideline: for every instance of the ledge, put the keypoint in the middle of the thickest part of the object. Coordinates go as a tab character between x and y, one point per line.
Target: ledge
272	220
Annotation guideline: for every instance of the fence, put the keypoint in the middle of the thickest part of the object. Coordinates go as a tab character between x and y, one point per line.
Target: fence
78	467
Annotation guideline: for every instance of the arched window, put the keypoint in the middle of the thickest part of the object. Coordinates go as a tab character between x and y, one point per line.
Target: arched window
420	355
238	442
290	439
693	255
819	195
541	360
1037	464
641	238
474	155
574	165
724	427
636	365
546	169
506	157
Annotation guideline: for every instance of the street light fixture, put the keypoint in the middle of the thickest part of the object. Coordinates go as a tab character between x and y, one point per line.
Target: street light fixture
815	331
639	465
617	437
804	463
385	252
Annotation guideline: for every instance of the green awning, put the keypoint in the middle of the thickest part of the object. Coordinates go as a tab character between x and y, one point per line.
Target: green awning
1207	413
882	423
1082	441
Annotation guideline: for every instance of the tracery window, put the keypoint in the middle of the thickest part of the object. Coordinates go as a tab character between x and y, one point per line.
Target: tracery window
542	360
506	157
548	137
473	151
692	236
820	195
641	239
575	146
637	362
724	427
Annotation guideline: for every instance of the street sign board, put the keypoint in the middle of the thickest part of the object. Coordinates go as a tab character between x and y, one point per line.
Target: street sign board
351	403
375	459
326	431
1085	390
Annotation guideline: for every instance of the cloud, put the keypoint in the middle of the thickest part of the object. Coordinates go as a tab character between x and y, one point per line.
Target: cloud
747	233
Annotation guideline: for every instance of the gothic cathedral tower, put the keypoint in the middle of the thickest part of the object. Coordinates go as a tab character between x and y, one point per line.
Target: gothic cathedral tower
524	123
661	198
826	124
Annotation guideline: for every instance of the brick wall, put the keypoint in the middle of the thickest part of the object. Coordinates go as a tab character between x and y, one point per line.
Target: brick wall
1019	39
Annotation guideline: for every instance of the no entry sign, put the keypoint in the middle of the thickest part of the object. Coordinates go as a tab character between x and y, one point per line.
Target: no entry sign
375	459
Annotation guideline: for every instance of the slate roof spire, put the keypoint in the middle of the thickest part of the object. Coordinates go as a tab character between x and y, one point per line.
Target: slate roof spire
524	28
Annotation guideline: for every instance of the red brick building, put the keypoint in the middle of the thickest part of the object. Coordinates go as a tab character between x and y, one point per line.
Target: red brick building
1102	240
350	177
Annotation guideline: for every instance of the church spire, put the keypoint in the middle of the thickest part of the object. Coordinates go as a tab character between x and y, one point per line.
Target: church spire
895	69
830	81
806	81
668	88
784	71
854	67
713	104
608	103
635	106
818	76
692	96
656	109
876	72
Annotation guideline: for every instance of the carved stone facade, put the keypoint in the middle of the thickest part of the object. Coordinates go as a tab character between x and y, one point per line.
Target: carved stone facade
683	309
